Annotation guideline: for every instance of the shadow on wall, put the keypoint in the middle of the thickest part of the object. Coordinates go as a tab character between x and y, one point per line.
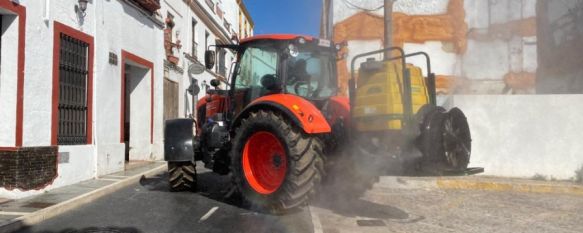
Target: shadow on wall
138	16
560	45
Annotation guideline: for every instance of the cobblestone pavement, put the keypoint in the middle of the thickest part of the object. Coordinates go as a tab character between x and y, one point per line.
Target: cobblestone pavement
386	209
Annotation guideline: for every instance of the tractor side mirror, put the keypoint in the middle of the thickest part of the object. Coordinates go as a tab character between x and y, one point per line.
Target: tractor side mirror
193	89
215	83
209	59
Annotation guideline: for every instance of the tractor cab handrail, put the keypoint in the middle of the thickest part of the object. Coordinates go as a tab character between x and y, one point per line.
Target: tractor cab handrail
399	49
427	59
352	81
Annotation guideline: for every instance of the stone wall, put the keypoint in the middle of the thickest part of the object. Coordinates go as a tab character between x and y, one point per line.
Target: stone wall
28	168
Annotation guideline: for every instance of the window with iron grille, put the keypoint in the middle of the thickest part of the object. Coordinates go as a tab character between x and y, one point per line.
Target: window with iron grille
73	71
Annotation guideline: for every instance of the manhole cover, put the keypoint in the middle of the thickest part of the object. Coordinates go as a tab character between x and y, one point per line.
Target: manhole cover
38	205
370	223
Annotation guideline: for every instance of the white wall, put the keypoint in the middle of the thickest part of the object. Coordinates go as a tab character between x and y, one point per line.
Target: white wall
8	79
522	135
138	82
38	65
115	26
118	25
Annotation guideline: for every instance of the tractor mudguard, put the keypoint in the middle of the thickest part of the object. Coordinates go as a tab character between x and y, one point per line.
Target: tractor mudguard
339	108
300	111
178	140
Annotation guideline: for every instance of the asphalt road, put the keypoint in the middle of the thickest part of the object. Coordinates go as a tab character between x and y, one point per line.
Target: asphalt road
149	207
401	205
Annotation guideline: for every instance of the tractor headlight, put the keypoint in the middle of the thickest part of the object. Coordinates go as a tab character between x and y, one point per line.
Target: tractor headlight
293	50
302	40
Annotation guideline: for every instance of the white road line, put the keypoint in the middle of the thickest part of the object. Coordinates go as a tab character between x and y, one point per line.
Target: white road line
13	213
316	221
208	214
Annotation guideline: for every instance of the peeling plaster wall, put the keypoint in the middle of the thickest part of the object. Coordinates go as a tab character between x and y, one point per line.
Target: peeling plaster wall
414	7
499	40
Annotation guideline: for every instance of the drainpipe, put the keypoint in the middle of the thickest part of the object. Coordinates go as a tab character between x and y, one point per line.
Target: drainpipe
326	25
47	11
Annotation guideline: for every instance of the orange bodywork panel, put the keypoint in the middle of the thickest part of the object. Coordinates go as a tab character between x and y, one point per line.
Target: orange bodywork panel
339	109
310	117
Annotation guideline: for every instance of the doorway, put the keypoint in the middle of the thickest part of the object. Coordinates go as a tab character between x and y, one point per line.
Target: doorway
137	112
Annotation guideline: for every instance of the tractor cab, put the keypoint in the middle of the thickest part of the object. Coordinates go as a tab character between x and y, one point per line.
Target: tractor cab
280	64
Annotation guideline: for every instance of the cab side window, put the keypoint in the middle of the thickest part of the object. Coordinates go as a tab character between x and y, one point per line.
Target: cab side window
257	65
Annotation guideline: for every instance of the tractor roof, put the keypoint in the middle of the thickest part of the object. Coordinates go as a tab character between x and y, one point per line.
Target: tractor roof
274	37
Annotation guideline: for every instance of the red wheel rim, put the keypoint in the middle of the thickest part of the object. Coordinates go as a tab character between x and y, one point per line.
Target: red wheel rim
264	162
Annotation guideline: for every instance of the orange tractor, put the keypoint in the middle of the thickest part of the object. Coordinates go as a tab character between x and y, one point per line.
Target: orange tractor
279	118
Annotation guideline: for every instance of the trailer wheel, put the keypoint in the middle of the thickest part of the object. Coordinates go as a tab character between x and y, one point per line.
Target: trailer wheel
445	141
275	165
457	141
182	176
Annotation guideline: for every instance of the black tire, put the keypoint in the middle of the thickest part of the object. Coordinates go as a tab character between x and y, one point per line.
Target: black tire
457	140
445	141
305	163
431	123
182	176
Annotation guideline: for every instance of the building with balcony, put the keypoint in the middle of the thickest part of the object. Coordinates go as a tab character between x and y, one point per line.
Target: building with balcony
246	23
192	27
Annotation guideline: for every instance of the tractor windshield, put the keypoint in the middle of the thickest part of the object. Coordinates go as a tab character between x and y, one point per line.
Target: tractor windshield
309	72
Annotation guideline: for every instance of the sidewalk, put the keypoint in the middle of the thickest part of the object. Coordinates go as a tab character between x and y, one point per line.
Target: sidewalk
28	211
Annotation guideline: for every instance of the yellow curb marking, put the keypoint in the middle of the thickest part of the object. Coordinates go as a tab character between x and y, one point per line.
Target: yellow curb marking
524	188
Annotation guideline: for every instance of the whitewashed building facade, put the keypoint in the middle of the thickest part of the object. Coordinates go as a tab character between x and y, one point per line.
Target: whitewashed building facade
68	74
86	89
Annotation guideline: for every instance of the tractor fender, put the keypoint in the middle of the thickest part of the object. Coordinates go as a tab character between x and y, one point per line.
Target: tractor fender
300	111
178	140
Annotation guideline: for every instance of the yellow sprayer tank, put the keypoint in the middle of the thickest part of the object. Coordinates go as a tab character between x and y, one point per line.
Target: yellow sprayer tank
379	95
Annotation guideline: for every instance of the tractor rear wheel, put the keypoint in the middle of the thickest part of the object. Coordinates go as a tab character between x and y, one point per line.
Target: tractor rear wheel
275	165
182	176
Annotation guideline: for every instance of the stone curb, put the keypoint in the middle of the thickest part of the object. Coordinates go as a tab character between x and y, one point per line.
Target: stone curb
501	186
480	183
57	209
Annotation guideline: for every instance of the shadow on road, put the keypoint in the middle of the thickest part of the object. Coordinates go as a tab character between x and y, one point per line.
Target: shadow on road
341	193
209	185
347	180
90	230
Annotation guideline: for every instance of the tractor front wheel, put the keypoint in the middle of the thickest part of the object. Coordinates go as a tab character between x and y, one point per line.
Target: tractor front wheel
275	165
182	176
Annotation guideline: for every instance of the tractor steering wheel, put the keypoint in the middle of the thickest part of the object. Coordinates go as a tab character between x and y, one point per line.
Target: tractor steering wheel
297	86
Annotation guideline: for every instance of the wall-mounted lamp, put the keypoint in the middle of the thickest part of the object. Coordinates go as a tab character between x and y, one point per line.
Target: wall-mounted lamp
82	7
